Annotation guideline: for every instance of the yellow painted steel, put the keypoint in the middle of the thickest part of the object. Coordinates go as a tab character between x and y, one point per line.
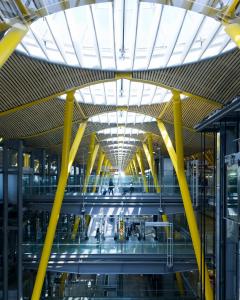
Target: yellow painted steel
63	279
26	160
135	171
131	168
4	26
233	30
177	159
89	161
150	158
10	41
140	163
95	152
108	169
76	143
180	283
164	109
80	109
231	8
67	131
105	165
67	159
75	227
123	75
168	143
23	9
134	160
99	168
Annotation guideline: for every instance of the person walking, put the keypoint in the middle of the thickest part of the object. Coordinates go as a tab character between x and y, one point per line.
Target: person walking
110	187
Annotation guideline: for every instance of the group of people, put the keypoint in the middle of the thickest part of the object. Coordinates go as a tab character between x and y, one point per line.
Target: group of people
111	189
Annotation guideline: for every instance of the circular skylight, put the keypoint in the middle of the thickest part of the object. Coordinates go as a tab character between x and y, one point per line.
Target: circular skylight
121	130
123	92
120	145
121	117
125	35
124	139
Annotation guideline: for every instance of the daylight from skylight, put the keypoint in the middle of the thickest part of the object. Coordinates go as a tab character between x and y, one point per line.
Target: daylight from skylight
125	35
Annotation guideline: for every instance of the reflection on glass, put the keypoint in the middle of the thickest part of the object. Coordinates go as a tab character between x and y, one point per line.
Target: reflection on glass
232	191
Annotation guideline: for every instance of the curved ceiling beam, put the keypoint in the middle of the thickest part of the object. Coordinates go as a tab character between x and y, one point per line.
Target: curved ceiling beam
53	96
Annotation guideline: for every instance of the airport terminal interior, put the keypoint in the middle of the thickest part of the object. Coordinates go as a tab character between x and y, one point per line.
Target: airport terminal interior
119	149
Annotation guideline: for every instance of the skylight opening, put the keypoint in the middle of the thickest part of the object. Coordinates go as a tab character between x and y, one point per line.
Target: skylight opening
121	117
121	130
95	36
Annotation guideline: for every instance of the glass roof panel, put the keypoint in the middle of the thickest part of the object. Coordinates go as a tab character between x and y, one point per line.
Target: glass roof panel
121	117
123	92
125	35
120	139
121	131
120	145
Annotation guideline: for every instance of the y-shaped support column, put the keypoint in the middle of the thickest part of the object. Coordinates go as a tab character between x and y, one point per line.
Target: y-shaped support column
99	168
140	163
68	156
150	158
232	29
177	159
93	149
10	42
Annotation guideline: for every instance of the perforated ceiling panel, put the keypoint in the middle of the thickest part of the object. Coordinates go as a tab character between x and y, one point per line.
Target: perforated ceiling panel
215	78
24	79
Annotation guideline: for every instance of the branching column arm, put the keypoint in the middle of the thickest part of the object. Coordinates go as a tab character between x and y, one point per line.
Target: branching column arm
68	157
10	42
177	159
91	159
99	168
140	163
150	158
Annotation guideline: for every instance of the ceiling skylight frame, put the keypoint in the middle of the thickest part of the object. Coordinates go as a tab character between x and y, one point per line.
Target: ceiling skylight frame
135	11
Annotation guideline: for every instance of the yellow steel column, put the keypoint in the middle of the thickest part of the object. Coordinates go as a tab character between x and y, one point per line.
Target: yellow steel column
76	144
232	29
92	153
131	168
135	164
63	279
177	111
108	169
180	283
26	160
22	7
99	168
75	227
177	159
150	159
67	160
10	41
134	167
105	164
68	114
140	163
